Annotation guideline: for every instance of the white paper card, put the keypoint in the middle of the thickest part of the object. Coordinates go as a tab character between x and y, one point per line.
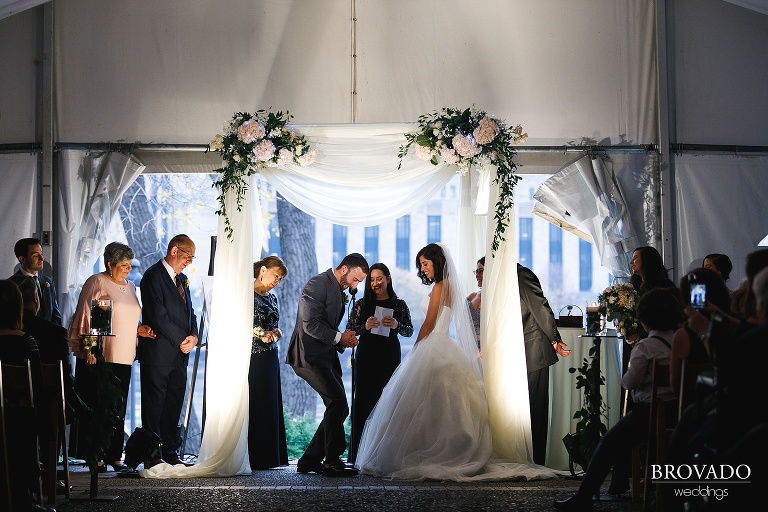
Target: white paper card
380	313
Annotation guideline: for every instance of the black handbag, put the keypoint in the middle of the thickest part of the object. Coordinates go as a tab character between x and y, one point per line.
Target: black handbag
143	445
572	444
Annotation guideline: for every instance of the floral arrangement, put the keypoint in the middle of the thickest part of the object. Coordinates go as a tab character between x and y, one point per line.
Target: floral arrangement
469	138
619	303
88	342
250	142
258	332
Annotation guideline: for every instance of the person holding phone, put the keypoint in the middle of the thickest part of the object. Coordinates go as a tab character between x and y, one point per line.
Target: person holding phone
698	288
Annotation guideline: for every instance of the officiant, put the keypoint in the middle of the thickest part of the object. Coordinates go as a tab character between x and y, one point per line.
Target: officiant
377	319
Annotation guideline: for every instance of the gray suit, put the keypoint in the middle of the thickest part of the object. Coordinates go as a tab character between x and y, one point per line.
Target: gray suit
539	332
314	357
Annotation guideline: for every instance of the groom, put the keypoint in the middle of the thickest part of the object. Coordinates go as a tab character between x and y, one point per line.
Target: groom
314	356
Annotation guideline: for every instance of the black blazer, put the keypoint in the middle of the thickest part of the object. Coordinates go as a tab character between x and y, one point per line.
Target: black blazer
321	308
539	326
49	304
170	318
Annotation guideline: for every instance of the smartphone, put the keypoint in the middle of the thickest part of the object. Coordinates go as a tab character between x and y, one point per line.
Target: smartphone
698	295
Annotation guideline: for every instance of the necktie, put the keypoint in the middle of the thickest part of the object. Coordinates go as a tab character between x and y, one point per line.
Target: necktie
180	288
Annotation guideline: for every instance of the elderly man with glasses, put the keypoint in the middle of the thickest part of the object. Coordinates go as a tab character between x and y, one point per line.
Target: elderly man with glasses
167	309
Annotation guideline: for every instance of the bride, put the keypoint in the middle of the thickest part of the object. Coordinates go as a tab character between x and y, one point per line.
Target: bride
431	421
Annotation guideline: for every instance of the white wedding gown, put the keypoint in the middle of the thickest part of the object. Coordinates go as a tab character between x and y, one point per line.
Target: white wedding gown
431	421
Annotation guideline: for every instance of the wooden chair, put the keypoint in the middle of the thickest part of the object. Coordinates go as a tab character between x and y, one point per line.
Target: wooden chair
659	428
53	382
689	375
655	447
636	463
17	387
5	485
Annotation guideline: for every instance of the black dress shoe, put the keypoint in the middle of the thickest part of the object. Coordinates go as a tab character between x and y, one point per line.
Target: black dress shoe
336	468
575	503
119	466
176	462
305	466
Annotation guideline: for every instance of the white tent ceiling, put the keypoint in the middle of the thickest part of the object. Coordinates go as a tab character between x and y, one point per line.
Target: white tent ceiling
572	73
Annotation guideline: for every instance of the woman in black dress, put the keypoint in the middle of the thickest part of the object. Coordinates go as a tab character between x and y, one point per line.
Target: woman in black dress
267	446
377	356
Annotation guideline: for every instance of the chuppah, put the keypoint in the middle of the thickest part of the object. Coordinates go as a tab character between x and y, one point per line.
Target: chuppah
360	158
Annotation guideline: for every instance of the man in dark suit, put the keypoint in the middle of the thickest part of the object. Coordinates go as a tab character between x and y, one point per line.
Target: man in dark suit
314	355
167	309
29	252
543	343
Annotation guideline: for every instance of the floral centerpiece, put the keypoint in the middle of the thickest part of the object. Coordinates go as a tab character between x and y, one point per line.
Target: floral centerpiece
250	142
469	138
619	303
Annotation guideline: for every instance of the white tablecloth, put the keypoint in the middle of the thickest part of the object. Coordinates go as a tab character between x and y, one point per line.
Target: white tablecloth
565	399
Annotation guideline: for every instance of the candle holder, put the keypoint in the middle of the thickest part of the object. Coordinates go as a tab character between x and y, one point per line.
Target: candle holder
101	317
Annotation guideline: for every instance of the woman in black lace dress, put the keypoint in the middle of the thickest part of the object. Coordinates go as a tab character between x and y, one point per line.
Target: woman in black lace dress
267	447
377	356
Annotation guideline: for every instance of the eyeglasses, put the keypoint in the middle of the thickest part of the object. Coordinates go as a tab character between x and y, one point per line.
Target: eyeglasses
191	256
478	271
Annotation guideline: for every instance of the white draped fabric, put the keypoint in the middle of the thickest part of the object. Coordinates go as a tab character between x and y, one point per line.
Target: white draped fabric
18	220
91	186
224	447
354	181
587	199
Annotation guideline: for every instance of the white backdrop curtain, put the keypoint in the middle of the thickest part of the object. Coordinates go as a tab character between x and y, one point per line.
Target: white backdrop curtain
91	186
19	197
721	207
349	178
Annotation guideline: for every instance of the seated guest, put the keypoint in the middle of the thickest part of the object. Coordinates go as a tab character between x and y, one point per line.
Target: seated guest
743	298
21	420
659	312
720	264
52	344
688	345
728	426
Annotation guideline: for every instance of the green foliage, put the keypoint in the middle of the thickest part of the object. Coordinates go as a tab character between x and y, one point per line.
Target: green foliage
590	427
299	431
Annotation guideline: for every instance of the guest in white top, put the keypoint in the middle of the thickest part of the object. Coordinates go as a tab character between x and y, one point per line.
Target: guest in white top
659	311
119	349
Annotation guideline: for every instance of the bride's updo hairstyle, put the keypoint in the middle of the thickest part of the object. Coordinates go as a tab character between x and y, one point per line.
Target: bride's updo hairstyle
433	253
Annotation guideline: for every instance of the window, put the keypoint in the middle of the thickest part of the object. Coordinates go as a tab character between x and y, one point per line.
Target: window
403	242
433	229
526	241
339	242
274	239
555	256
585	266
372	244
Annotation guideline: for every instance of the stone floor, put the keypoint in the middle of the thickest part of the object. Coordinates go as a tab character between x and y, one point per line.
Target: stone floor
285	490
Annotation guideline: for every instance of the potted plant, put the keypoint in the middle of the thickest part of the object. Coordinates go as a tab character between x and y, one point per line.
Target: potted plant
590	426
